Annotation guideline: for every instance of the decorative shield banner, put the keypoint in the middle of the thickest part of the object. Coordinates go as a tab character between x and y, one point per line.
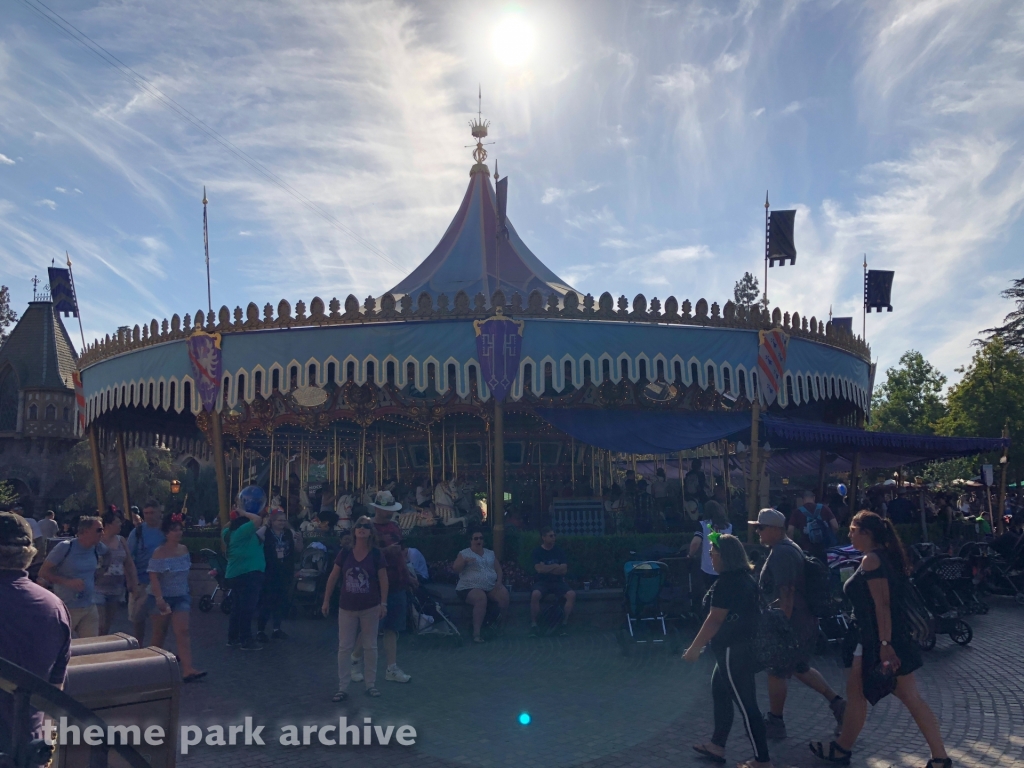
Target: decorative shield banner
205	355
499	343
771	362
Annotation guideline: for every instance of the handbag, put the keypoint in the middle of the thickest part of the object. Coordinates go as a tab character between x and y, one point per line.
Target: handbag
879	682
776	645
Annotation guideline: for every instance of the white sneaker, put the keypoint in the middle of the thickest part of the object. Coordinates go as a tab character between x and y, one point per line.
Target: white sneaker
396	675
357	673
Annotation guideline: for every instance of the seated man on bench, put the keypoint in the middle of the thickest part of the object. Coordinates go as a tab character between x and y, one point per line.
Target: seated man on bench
551	566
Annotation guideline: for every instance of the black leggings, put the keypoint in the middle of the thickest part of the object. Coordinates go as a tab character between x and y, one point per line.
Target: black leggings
733	681
274	600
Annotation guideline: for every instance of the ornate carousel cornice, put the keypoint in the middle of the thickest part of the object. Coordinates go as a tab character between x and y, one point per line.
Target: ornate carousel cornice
389	309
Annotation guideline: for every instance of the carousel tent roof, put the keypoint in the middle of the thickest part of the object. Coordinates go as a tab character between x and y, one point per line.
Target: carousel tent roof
465	259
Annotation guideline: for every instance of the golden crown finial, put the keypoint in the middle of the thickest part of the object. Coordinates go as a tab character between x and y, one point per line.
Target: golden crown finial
478	128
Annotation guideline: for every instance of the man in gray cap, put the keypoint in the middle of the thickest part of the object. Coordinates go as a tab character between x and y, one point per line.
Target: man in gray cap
40	639
782	584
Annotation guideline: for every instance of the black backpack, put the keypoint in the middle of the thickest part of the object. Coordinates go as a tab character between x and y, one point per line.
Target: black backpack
817	591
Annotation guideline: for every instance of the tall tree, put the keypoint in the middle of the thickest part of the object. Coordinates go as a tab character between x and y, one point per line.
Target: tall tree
910	400
1011	332
7	315
746	292
990	394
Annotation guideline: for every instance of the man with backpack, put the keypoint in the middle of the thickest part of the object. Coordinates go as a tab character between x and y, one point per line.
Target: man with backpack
793	583
71	567
813	526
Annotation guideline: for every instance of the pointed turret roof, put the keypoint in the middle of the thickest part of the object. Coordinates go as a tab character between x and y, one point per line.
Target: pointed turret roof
40	350
470	259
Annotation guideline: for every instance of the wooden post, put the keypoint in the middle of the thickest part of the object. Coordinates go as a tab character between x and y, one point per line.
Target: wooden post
725	474
97	469
217	438
122	466
1003	463
753	490
924	516
822	466
498	518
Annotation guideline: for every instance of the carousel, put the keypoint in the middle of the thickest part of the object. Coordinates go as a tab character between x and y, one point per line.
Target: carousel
481	365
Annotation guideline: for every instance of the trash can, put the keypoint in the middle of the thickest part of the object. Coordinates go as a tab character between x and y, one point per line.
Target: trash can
119	641
138	687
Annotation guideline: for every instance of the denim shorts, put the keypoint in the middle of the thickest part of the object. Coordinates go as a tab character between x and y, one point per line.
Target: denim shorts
177	603
102	599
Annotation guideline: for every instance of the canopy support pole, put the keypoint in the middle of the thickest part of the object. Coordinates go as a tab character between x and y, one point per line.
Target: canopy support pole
1003	462
822	466
498	519
217	438
97	469
725	474
122	466
755	475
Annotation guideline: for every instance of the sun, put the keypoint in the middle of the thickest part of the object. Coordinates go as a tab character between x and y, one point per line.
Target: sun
513	40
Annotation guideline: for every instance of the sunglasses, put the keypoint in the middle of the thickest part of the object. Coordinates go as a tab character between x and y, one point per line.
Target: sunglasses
367	526
477	538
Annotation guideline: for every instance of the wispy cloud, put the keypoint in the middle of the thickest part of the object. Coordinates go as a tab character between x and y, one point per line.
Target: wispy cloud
792	107
5	160
52	205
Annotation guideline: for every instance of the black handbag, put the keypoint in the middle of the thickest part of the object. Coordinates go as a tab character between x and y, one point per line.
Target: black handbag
879	682
776	645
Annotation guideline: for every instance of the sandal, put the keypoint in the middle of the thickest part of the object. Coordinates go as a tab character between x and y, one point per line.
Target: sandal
479	640
940	762
703	751
836	754
193	677
372	692
339	696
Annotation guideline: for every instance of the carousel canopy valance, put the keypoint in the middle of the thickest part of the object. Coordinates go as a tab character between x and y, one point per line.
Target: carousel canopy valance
783	432
646	431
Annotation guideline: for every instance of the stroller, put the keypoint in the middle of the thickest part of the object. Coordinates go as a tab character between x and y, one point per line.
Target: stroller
645	620
842	561
311	578
934	581
947	584
429	619
994	574
218	568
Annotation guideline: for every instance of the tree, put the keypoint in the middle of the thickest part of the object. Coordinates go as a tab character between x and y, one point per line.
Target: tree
910	400
990	394
149	474
746	292
8	496
7	315
1011	332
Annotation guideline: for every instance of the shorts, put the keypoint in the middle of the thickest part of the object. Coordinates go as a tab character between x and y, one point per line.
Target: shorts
85	622
138	607
397	616
557	588
102	599
177	604
462	594
803	663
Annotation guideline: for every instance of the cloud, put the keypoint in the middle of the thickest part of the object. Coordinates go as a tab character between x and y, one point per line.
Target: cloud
757	112
792	107
48	203
245	233
61	190
554	194
5	160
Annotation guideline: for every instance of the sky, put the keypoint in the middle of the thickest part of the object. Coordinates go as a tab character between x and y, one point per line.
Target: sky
639	139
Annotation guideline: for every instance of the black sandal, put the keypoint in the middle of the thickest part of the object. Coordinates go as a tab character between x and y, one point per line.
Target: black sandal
836	754
940	762
706	753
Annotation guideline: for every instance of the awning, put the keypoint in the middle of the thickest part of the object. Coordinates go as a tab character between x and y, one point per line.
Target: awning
646	431
794	433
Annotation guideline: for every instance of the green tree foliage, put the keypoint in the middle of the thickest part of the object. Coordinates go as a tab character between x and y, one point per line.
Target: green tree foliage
990	394
150	471
746	292
8	496
7	315
911	399
1011	332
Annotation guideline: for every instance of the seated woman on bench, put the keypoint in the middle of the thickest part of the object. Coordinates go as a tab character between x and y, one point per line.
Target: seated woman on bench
480	581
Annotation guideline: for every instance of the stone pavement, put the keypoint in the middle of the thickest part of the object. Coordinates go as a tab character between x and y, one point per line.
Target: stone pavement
589	705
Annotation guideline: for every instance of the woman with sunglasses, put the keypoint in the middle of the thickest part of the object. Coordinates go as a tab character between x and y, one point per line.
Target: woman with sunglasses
732	608
362	603
879	646
479	581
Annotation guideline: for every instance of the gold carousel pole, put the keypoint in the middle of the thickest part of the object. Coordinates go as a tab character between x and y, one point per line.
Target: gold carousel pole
430	459
572	457
498	520
455	451
122	465
444	450
270	473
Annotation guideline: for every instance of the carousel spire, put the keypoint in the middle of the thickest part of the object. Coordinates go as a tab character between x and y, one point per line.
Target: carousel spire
478	128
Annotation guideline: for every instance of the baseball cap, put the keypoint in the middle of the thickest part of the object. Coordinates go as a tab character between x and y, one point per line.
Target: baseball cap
771	517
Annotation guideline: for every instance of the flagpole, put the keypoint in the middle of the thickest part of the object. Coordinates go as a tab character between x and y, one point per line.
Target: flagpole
78	314
206	246
766	246
864	309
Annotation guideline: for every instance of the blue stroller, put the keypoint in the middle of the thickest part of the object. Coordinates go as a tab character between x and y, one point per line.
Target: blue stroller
645	620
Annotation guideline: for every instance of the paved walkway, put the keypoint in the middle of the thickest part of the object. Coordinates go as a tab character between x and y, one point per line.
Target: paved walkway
589	705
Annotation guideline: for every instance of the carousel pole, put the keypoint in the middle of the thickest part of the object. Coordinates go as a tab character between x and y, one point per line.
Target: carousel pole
97	468
725	473
455	451
444	451
398	468
122	465
755	471
498	519
270	473
430	458
288	478
1003	462
572	456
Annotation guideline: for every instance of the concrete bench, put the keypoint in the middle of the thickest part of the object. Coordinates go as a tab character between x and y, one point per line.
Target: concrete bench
597	608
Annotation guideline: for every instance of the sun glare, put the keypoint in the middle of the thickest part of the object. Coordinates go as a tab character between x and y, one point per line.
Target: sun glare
513	40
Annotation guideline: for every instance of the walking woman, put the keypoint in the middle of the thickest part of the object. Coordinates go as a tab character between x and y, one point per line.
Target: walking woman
279	553
732	605
879	651
246	565
170	601
362	603
117	570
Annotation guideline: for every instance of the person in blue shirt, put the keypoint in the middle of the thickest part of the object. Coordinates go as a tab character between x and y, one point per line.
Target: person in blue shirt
142	543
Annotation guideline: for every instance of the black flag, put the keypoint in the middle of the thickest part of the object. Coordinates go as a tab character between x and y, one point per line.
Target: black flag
780	238
501	192
878	290
846	323
62	291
